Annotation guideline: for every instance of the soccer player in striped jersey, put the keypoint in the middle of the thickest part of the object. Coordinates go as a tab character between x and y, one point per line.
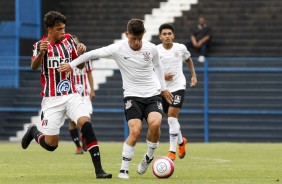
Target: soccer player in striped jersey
143	84
81	78
60	97
172	56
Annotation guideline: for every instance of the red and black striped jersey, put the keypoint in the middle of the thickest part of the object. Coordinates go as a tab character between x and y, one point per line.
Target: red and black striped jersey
81	78
56	83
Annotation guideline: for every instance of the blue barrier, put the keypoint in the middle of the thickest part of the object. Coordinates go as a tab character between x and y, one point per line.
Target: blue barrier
27	24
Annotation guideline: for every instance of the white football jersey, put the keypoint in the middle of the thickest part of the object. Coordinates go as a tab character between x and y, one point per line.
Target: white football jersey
141	70
172	62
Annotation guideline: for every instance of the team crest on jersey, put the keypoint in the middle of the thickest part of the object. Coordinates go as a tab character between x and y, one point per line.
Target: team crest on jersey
146	56
160	106
63	86
44	122
177	99
79	88
128	104
176	54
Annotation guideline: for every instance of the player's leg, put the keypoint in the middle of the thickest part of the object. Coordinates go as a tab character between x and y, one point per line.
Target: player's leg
53	117
76	110
153	114
133	115
174	130
88	105
135	127
153	136
75	136
174	126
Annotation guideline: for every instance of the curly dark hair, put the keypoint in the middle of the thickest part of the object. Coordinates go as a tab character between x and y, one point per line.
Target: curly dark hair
52	18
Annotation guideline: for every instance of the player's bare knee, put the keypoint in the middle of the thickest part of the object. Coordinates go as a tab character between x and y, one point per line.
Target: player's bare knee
135	134
82	120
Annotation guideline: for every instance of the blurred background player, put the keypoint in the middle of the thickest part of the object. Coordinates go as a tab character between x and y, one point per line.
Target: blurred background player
60	98
201	37
143	83
81	78
172	56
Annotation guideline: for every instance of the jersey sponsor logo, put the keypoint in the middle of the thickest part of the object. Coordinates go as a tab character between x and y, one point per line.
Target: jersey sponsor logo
128	104
63	86
55	61
177	99
79	88
126	57
146	56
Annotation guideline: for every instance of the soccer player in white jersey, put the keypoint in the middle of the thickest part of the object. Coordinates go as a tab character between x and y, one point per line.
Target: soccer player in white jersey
60	97
172	56
81	77
143	84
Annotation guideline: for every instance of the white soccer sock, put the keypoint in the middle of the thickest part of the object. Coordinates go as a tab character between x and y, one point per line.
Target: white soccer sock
151	148
174	131
127	154
180	138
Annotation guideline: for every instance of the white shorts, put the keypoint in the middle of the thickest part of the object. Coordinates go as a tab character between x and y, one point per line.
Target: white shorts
88	104
55	109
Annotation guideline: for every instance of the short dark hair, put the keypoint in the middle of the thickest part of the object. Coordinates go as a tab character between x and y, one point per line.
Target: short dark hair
166	26
136	27
52	18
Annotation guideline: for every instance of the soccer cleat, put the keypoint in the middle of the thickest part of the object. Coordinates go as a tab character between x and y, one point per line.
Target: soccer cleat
79	150
103	175
123	174
143	166
171	155
83	143
181	149
27	138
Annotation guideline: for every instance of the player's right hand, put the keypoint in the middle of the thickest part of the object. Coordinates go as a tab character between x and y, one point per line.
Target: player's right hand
43	47
64	67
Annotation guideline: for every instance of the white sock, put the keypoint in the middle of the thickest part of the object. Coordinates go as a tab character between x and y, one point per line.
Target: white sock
127	154
172	142
180	138
151	148
174	130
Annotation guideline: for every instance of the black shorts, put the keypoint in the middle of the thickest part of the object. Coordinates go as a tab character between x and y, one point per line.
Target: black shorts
178	99
139	108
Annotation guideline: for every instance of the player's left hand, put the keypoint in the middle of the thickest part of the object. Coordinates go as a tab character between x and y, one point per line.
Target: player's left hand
81	48
64	67
92	94
193	81
168	96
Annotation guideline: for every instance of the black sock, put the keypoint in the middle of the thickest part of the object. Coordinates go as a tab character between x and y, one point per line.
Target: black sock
40	139
92	145
75	136
46	146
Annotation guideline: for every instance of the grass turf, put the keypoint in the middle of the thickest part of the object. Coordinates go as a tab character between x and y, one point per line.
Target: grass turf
232	163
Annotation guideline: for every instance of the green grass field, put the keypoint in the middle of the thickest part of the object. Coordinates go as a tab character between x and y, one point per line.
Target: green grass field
232	163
